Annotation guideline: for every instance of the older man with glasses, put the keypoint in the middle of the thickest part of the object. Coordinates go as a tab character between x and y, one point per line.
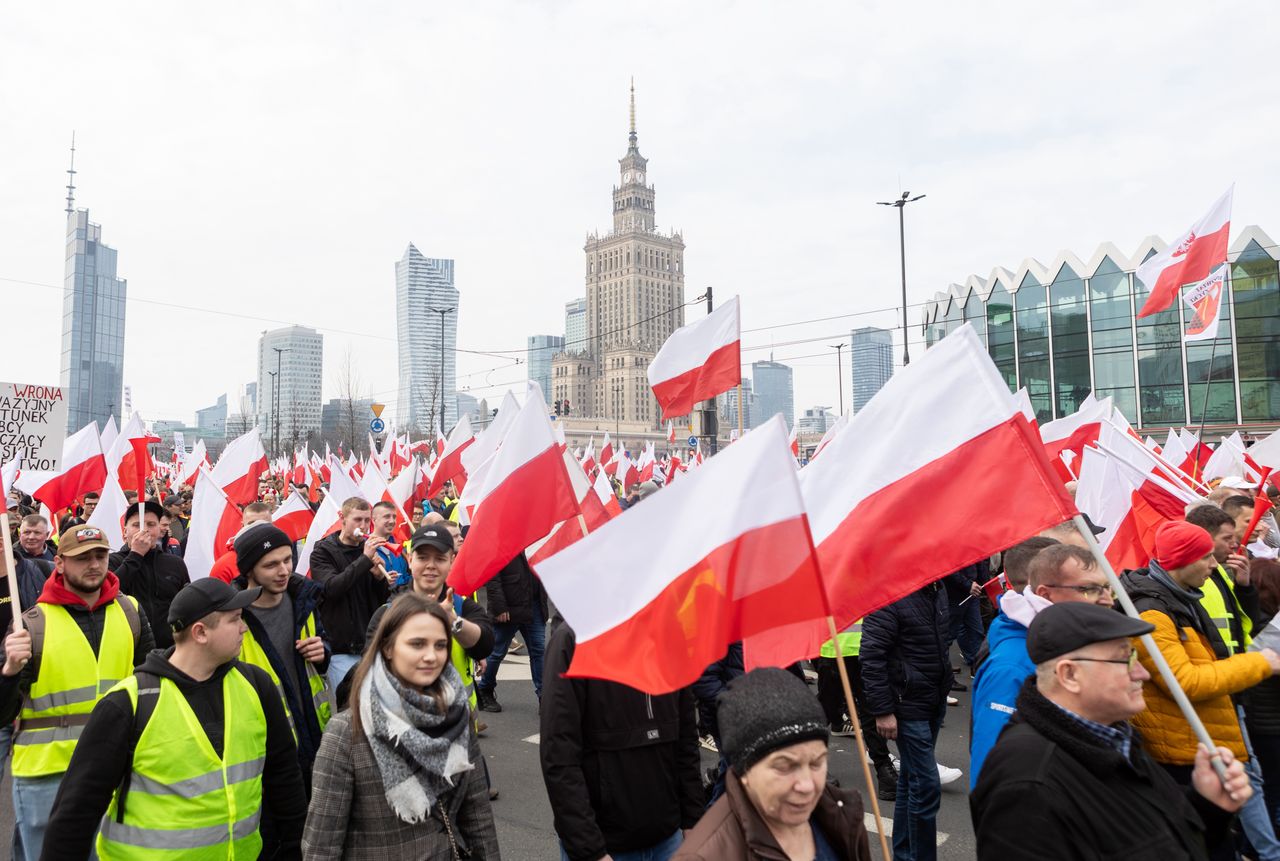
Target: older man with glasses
1069	778
1054	574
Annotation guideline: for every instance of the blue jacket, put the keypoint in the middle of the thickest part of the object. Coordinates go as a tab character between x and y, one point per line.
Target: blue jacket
996	687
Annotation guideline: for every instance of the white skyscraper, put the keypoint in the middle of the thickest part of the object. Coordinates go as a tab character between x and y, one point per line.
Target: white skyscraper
290	372
426	303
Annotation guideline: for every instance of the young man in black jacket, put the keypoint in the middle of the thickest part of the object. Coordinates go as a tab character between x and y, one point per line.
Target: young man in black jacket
146	572
241	726
517	604
906	674
1069	778
620	765
346	566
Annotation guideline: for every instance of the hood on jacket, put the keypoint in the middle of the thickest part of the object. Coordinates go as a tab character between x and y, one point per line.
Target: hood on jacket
56	592
1022	606
1003	629
157	663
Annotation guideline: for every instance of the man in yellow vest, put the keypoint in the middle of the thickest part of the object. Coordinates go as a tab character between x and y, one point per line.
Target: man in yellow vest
285	637
79	640
1229	597
183	759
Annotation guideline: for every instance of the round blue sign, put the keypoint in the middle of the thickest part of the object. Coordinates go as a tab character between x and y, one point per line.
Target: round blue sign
693	442
377	425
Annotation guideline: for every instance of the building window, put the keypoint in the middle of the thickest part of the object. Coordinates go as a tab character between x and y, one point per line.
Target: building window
1162	400
1111	319
999	325
1072	382
1031	314
1255	286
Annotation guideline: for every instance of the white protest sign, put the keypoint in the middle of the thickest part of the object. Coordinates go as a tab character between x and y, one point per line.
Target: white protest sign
33	423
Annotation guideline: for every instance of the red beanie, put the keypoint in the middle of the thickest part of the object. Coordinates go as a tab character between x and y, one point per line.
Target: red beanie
1179	543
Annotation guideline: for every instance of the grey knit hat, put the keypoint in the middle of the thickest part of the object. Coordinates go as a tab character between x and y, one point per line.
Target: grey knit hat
764	710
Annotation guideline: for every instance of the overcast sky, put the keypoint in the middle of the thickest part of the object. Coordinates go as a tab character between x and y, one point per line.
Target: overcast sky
261	164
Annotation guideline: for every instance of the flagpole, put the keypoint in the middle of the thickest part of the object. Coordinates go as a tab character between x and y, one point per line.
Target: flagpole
1204	409
857	734
9	568
1157	657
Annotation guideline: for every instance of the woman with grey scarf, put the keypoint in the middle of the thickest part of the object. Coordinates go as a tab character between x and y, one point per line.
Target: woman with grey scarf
397	774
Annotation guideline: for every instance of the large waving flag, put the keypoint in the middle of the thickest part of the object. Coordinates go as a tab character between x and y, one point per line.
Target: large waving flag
450	466
698	361
215	507
82	468
526	492
1072	433
735	559
593	515
328	518
294	516
943	439
1196	253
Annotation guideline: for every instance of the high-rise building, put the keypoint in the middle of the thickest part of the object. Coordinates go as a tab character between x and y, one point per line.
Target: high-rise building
815	421
635	300
427	340
345	421
93	309
468	406
212	421
290	371
774	392
575	326
729	407
538	357
871	361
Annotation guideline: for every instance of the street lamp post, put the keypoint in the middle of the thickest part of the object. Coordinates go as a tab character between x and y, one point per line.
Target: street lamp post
272	375
839	373
280	351
901	204
442	312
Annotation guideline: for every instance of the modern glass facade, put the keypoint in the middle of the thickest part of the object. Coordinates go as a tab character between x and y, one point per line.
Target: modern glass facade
93	308
426	313
871	359
774	393
538	357
1071	328
575	326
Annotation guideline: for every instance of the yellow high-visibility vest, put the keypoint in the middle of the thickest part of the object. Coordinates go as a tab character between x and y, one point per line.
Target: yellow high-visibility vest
850	642
184	801
251	652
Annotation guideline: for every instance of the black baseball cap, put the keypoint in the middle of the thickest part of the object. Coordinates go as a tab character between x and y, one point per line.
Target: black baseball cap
432	535
150	507
1062	628
204	596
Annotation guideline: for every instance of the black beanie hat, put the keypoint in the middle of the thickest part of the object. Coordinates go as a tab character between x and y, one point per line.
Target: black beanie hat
257	541
764	710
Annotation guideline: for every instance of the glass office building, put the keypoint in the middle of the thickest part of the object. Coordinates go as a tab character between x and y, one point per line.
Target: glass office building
1069	328
93	311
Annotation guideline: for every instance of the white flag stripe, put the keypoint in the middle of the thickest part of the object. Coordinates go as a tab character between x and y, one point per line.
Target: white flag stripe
899	431
749	486
689	347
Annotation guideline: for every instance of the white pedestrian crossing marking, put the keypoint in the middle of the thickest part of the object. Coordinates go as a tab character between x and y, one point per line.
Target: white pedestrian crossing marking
870	821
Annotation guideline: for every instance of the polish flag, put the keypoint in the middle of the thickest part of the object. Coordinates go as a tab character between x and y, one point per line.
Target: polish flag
589	457
215	507
301	468
191	465
124	456
832	433
669	608
1072	433
671	434
82	468
1196	253
1267	452
646	463
698	361
604	492
425	476
625	471
450	465
294	516
606	451
328	519
569	531
943	439
526	492
794	441
1204	304
442	443
1023	398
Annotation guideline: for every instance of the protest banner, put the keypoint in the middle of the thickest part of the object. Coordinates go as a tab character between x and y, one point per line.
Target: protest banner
33	424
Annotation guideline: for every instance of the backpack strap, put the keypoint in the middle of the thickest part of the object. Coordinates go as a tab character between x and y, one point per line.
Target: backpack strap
148	696
33	621
130	608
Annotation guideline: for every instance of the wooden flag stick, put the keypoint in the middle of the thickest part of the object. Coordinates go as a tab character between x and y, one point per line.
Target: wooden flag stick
857	734
10	568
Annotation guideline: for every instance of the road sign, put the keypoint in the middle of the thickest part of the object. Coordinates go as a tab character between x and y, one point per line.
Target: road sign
377	425
377	410
693	442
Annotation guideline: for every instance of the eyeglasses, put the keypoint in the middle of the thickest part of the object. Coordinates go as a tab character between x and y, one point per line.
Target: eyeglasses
1132	660
1091	591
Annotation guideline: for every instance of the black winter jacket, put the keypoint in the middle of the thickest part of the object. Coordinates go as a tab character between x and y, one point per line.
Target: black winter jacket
712	683
351	592
1050	790
305	595
620	765
515	590
906	669
102	757
154	580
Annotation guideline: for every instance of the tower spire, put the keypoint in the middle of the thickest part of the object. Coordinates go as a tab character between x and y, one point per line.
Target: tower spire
71	177
632	137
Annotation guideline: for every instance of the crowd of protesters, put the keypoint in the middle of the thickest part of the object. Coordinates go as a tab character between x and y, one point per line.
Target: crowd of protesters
259	712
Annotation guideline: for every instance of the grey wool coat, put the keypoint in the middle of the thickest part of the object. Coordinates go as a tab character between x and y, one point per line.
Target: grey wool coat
349	817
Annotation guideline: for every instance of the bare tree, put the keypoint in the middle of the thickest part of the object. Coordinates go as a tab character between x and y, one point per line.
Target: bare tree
351	397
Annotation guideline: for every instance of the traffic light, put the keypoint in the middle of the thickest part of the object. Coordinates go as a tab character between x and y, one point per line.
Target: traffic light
566	406
557	408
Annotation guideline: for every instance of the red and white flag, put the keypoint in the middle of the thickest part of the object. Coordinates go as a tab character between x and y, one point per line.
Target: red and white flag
699	361
526	492
82	468
943	439
450	466
1267	452
589	457
671	434
794	441
294	516
128	459
606	451
190	468
832	432
593	515
301	476
604	492
1072	433
666	609
1204	302
1196	253
216	504
328	519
